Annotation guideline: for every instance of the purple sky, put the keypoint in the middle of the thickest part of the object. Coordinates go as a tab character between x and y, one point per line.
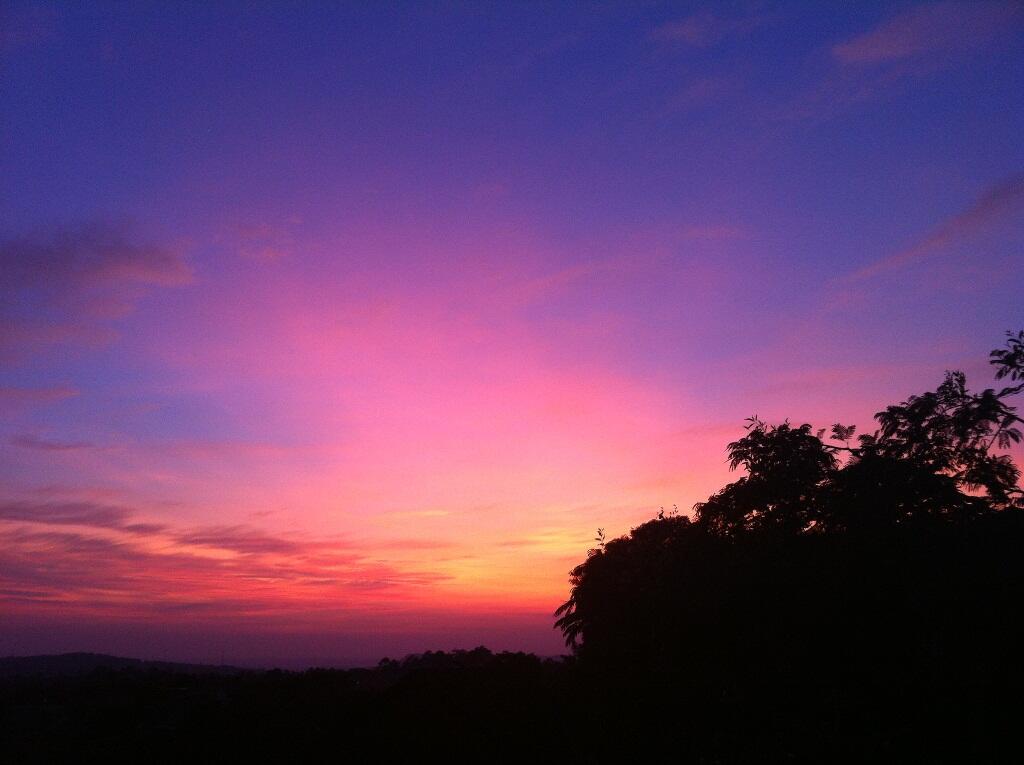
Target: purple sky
329	332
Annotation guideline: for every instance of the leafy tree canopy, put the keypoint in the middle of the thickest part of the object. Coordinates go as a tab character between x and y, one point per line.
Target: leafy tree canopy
936	458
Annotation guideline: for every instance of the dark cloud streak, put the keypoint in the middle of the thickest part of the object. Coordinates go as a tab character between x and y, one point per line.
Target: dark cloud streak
65	285
999	202
30	441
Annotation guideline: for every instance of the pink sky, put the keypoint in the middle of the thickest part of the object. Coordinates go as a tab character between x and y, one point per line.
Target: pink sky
338	334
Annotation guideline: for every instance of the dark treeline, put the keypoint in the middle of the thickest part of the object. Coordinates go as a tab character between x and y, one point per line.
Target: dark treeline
462	701
503	708
900	551
859	593
849	598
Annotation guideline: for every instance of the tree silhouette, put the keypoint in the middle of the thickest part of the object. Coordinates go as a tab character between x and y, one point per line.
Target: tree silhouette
784	465
890	548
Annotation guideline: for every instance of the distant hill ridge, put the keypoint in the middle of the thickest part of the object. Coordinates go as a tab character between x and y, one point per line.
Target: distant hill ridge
85	663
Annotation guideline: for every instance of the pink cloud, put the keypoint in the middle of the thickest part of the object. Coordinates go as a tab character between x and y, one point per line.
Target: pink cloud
932	29
262	240
705	29
998	203
113	564
66	514
240	539
903	49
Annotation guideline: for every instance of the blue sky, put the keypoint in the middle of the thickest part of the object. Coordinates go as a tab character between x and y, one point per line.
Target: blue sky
403	300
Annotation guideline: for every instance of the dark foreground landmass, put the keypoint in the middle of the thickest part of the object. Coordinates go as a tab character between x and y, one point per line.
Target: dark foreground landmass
499	707
65	665
842	601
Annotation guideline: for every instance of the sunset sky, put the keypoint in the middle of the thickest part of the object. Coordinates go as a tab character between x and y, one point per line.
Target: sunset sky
330	333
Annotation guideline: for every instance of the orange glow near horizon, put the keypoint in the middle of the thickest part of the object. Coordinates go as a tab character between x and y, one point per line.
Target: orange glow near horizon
349	322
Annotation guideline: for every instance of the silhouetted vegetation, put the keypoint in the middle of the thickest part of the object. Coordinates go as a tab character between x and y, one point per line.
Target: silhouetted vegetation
837	575
446	703
925	498
847	599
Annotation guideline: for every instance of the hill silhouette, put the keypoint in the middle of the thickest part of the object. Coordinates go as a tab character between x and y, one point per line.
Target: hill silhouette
65	664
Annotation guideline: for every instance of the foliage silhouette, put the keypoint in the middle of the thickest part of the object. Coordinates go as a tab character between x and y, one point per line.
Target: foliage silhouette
848	599
873	558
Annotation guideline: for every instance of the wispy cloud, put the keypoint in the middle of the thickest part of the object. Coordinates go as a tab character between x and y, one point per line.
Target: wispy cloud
699	92
900	50
64	285
712	232
705	29
998	203
31	441
70	259
264	240
240	539
14	398
932	29
109	564
67	514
